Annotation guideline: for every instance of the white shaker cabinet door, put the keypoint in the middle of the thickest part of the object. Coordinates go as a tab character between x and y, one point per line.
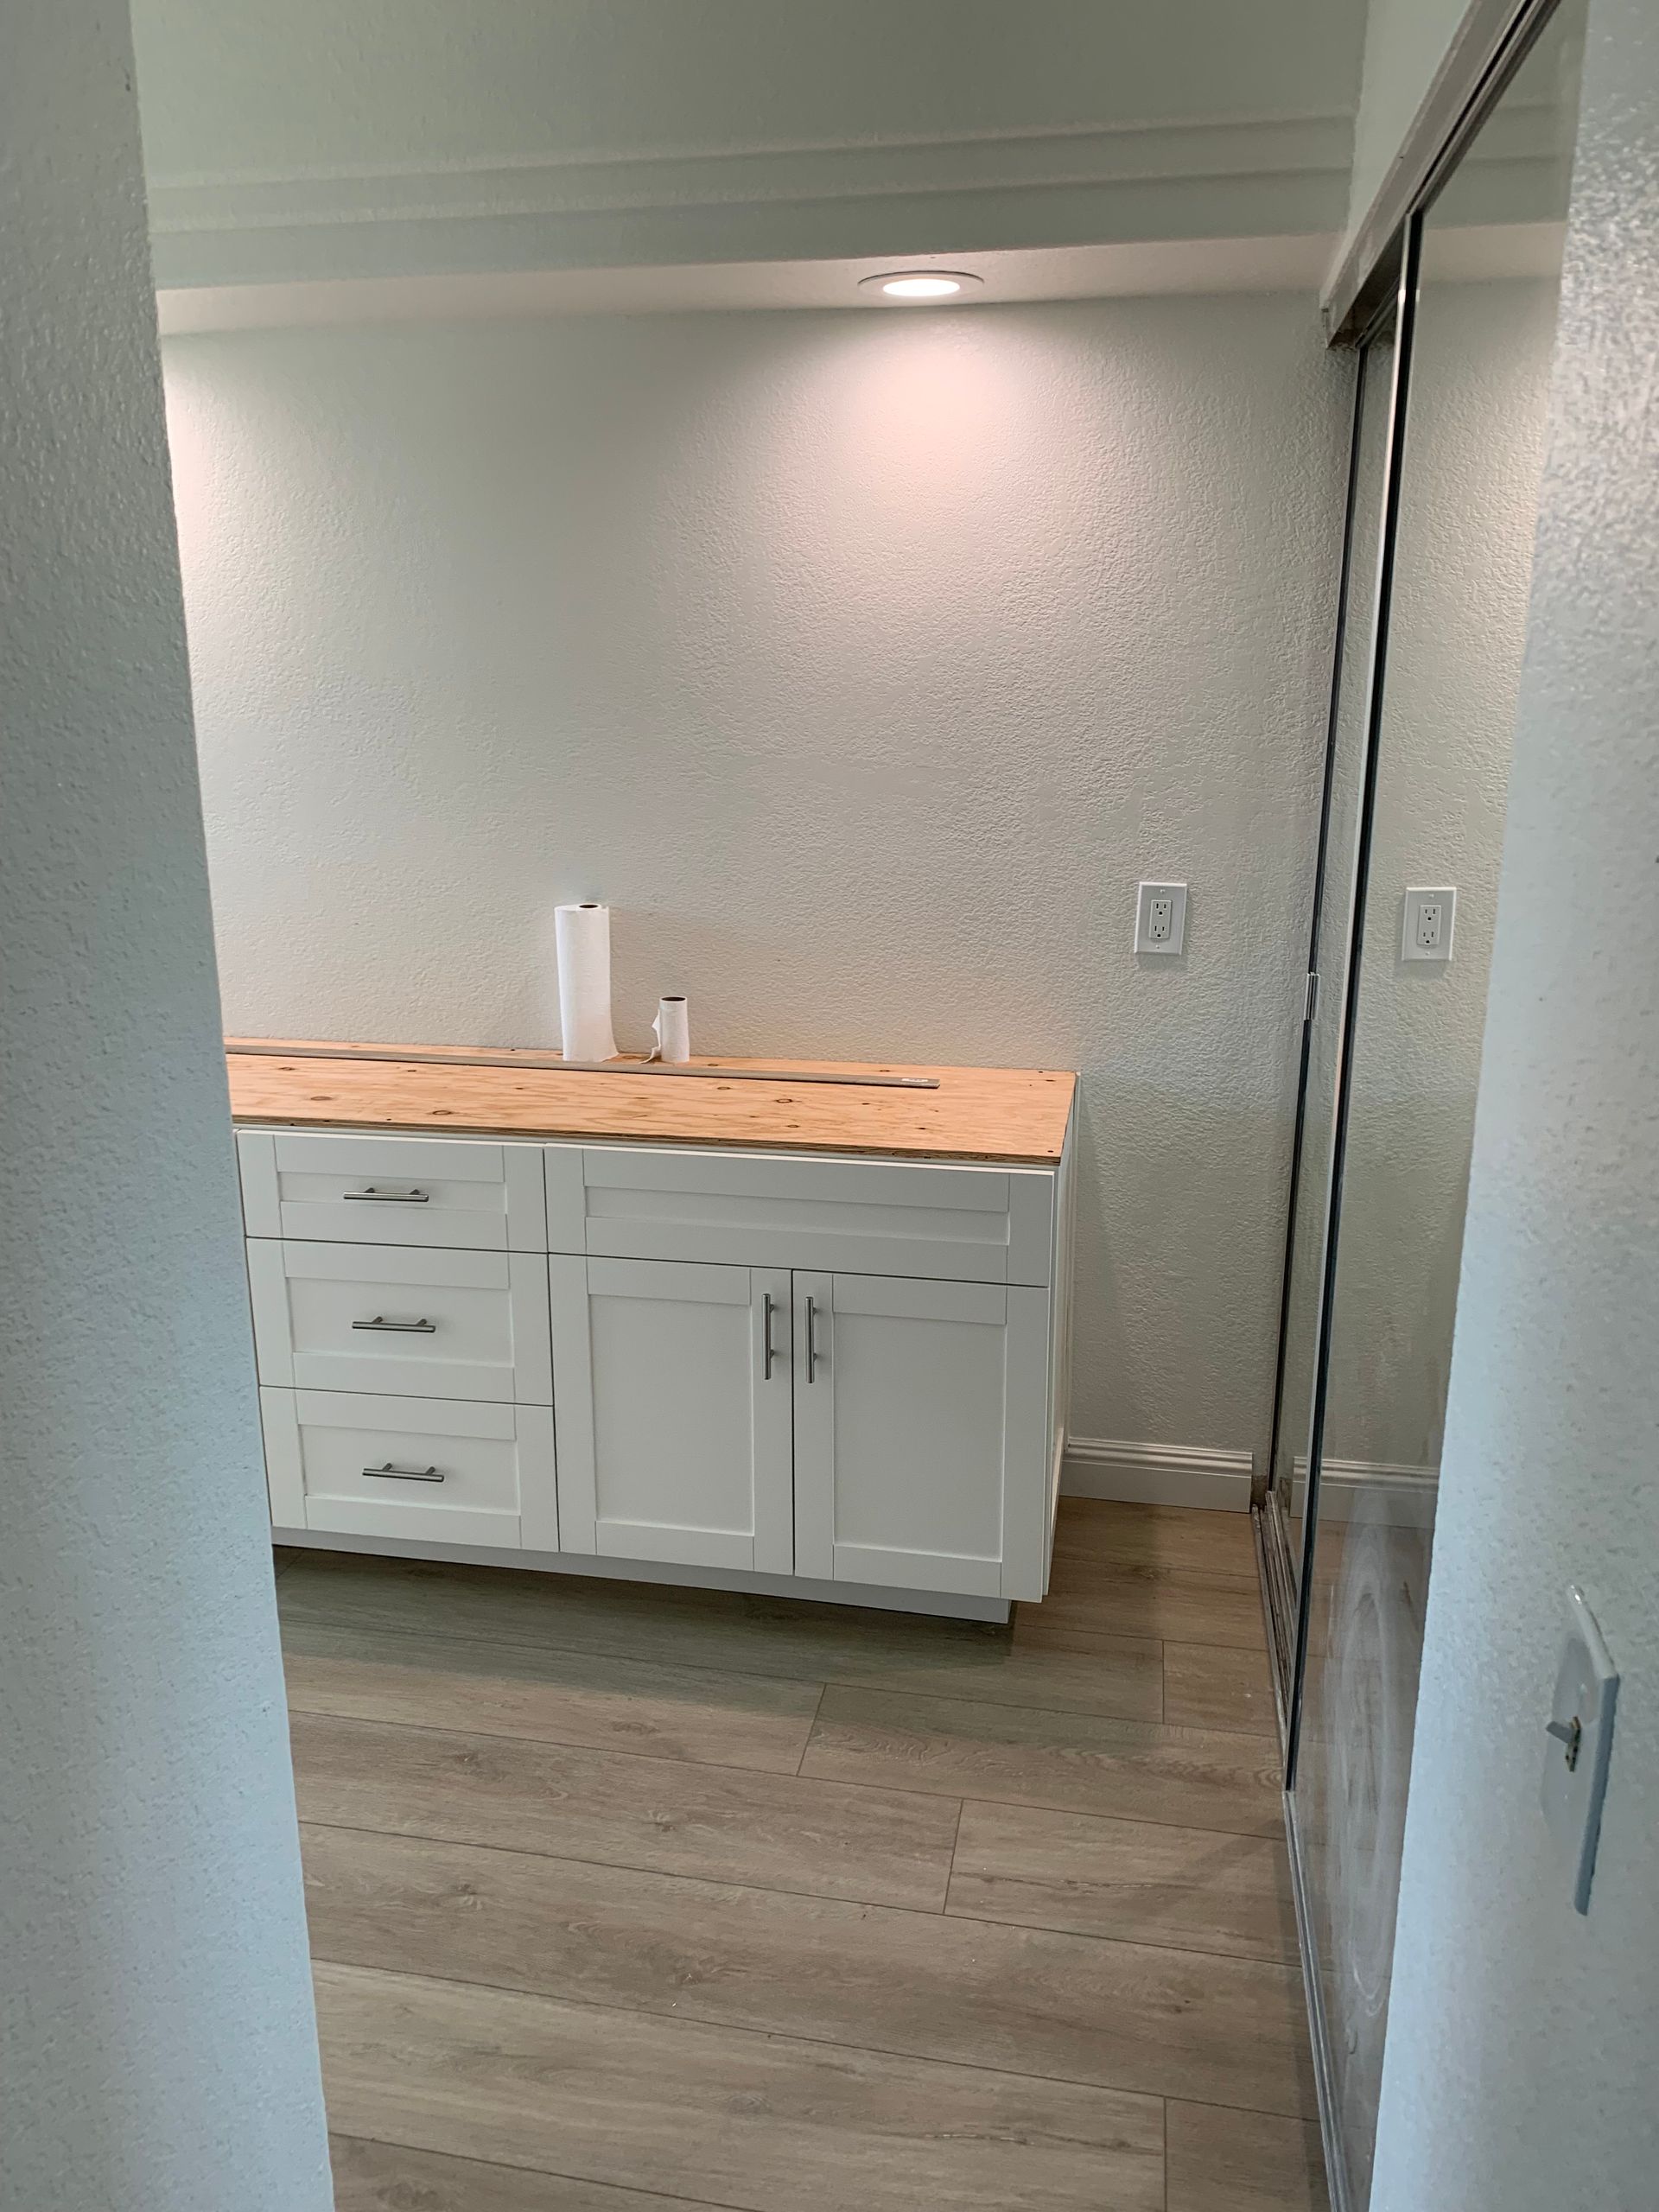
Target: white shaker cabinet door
919	1434
671	1400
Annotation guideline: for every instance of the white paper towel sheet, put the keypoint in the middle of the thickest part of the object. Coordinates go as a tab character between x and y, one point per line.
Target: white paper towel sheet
583	937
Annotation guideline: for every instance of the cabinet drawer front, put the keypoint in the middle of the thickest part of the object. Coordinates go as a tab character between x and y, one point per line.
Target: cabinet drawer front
397	1319
359	1466
964	1224
447	1193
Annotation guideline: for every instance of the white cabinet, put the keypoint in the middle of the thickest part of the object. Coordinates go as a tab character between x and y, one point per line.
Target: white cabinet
840	1373
863	1429
920	1457
673	1412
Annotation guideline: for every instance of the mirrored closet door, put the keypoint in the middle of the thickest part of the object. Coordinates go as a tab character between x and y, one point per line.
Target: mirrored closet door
1332	925
1449	453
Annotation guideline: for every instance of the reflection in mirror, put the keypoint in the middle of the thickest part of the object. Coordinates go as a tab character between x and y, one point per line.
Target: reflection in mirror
1333	926
1472	462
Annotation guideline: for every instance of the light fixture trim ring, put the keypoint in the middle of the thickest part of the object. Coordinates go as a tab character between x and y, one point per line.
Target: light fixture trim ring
921	283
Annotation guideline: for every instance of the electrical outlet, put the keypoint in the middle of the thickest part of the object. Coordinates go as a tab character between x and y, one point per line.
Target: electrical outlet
1161	918
1430	918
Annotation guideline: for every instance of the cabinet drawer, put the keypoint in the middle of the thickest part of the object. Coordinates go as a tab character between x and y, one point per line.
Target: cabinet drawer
401	1320
444	1192
431	1469
878	1218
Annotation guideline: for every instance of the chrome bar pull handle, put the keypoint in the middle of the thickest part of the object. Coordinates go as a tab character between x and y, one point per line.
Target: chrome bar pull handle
422	1328
767	1354
374	1192
406	1474
811	1338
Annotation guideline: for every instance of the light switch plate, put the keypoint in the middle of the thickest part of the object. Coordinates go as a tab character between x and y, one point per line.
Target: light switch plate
1161	918
1431	916
1580	1740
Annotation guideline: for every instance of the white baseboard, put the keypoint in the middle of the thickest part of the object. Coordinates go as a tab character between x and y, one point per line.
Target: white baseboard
1375	1491
1157	1474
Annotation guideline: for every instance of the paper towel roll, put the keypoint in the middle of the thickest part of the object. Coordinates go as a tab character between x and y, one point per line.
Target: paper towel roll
673	1028
583	937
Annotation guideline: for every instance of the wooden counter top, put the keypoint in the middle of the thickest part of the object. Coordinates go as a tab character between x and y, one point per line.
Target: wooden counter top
1014	1116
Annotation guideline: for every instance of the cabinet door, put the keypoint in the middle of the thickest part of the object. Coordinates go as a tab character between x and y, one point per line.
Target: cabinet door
919	1428
673	1413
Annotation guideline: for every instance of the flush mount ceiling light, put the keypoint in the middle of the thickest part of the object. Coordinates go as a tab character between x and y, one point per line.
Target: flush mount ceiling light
920	283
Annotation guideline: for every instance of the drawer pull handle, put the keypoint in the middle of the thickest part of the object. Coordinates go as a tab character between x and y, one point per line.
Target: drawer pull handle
406	1474
399	1328
811	1338
767	1354
409	1197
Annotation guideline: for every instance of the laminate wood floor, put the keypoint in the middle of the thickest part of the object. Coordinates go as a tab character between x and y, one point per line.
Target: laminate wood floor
627	1899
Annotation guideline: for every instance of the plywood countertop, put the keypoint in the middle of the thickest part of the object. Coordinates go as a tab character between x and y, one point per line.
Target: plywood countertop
1011	1117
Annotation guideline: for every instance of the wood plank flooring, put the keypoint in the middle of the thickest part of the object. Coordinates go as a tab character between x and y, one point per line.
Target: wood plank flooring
626	1899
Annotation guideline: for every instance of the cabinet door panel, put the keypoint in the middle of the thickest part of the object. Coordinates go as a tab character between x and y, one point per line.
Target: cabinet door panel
674	1438
912	1446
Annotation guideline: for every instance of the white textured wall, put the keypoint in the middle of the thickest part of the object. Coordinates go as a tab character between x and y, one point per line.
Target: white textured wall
862	663
1523	2043
343	137
156	2047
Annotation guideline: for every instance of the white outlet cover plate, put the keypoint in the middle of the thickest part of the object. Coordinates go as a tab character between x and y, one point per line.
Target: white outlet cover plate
1575	1774
1444	897
1144	925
